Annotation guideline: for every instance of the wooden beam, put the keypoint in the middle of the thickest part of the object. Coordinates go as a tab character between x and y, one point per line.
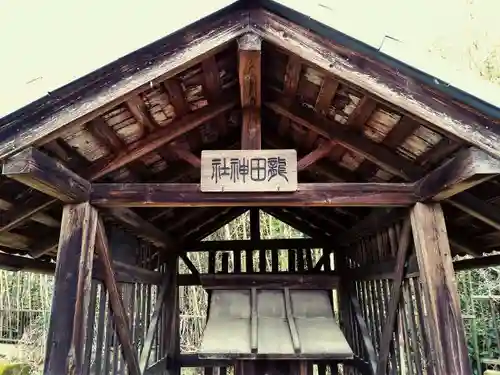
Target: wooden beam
392	311
333	131
119	314
444	328
40	172
314	195
274	244
467	169
322	281
391	87
320	152
159	138
249	72
361	113
71	289
186	48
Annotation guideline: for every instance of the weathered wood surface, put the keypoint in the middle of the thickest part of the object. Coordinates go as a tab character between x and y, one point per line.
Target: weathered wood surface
248	171
321	281
444	326
249	74
159	138
40	172
273	244
364	332
388	328
179	51
467	169
390	87
119	314
374	152
66	335
189	195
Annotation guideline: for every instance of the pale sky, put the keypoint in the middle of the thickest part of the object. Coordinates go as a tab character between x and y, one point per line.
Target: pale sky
46	44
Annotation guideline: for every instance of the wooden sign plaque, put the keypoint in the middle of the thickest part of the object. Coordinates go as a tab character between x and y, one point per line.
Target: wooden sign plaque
248	171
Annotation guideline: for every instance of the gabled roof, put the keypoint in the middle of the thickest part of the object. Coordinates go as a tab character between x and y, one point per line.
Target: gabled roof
362	114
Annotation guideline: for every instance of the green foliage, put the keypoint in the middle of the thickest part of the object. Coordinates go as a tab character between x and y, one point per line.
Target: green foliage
14	369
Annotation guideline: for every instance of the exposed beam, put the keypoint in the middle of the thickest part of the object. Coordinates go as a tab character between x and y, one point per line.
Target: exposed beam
268	281
107	137
444	328
189	195
176	95
320	152
361	113
40	172
372	151
186	48
159	138
276	244
249	72
467	169
389	86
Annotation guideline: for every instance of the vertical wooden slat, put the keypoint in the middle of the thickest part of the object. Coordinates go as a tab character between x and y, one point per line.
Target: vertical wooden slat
100	329
119	315
237	261
445	327
402	254
225	262
72	289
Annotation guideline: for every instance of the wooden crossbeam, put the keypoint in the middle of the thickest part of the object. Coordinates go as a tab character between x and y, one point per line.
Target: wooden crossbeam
444	325
314	195
274	244
467	169
70	301
40	172
266	281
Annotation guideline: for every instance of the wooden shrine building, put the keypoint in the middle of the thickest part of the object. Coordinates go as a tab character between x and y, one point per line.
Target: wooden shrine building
113	179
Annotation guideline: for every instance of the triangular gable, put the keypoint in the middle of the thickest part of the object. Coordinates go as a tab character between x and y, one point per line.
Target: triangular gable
348	59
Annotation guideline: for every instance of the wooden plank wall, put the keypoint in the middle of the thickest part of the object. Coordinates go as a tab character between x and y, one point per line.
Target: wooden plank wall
408	351
103	354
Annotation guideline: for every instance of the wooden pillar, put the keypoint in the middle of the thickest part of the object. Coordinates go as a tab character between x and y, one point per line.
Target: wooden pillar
249	57
445	331
72	287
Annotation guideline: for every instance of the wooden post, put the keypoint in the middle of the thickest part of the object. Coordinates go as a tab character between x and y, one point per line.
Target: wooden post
445	331
70	302
250	90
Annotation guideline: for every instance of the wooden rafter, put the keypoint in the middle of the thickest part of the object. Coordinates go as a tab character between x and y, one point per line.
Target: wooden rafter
188	47
389	87
372	151
249	72
361	113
